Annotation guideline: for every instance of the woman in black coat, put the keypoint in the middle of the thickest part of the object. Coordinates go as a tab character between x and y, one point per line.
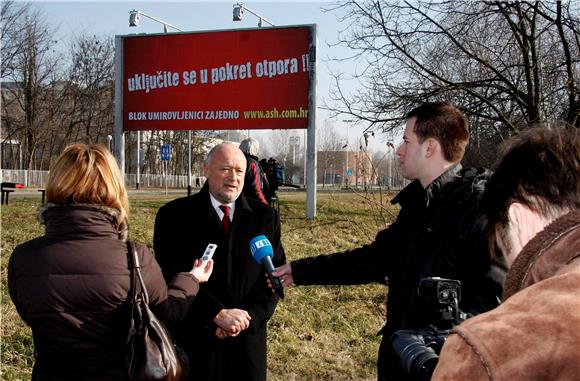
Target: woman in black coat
71	284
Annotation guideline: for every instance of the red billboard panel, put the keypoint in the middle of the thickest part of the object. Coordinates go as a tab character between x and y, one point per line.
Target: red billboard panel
241	79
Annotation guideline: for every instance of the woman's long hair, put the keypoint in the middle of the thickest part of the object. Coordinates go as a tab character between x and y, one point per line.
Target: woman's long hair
88	174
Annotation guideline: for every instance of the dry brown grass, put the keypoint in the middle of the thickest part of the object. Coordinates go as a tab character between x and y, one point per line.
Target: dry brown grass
317	333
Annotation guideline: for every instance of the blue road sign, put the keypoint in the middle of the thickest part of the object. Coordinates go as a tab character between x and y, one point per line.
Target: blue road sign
349	172
165	152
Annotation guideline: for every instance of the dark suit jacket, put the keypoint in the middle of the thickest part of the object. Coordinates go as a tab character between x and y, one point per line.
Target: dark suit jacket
183	229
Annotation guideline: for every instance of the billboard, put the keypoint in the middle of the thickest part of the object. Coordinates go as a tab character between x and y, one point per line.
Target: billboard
219	80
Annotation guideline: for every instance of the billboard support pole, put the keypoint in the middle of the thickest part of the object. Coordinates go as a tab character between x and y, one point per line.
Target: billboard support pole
189	163
138	159
119	135
311	141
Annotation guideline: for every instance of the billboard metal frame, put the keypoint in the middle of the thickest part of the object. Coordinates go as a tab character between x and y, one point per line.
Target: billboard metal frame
311	116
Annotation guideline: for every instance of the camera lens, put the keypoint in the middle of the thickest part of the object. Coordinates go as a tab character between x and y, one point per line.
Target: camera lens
418	359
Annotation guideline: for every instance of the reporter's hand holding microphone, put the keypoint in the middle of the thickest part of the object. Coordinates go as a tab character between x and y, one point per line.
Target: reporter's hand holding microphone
284	273
263	252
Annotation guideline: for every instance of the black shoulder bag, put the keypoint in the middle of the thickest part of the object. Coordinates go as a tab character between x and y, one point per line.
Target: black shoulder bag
151	354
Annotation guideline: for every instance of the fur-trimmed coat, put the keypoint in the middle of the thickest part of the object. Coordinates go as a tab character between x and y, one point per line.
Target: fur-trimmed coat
535	333
71	287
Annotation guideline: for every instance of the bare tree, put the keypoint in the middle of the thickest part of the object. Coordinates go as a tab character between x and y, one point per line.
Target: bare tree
279	146
328	143
13	17
32	71
505	64
90	90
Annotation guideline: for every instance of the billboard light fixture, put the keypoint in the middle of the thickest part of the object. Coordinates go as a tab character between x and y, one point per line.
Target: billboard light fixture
135	15
239	11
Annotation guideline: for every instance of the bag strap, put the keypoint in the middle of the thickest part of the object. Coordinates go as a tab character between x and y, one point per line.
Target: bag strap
136	274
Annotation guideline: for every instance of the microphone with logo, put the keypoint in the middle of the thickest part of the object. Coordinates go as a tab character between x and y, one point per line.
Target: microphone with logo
262	252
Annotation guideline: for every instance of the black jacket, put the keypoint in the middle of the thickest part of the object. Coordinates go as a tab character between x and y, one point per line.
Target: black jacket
438	232
183	229
71	287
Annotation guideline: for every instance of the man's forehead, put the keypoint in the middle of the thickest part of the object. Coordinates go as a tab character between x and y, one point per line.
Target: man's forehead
229	152
231	160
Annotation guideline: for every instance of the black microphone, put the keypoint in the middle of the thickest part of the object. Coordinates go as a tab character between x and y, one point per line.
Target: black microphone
262	252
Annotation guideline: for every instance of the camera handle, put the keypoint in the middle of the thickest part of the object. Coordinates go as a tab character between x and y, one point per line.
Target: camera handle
458	315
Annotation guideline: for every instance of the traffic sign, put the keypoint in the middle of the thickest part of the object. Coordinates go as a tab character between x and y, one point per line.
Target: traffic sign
165	152
349	172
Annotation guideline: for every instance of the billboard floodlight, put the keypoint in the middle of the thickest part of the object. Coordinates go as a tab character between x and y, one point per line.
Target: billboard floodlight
239	11
134	18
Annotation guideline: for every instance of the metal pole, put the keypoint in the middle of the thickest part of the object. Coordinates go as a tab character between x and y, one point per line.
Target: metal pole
304	158
293	142
391	180
346	146
311	149
189	163
391	148
346	171
119	135
165	174
20	155
138	159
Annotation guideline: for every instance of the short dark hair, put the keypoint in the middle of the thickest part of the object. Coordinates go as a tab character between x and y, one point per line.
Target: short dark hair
445	123
539	168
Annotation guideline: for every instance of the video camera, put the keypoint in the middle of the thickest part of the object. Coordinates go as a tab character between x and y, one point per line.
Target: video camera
418	349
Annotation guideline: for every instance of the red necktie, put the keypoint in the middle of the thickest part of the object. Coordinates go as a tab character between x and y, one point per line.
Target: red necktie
226	218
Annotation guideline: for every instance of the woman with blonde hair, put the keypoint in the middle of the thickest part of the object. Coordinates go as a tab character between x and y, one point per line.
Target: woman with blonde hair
71	285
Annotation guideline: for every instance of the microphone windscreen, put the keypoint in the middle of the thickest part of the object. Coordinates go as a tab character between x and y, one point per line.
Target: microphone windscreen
261	247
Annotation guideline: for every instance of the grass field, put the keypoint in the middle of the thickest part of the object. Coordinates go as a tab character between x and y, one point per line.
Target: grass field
316	333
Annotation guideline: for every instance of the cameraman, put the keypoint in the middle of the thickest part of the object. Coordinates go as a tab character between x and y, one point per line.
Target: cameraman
533	205
438	232
255	181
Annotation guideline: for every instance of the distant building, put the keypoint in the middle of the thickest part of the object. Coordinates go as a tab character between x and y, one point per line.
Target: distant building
345	168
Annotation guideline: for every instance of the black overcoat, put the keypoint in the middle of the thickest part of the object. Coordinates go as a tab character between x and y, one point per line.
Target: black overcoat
183	229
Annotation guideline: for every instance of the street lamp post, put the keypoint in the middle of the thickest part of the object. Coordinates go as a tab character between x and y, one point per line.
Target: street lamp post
364	161
392	156
346	176
294	141
134	19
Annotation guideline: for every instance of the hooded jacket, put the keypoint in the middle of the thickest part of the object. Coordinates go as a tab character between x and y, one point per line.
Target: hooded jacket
535	333
71	287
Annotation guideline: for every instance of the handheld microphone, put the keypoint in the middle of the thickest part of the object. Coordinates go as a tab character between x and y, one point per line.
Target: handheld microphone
262	253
